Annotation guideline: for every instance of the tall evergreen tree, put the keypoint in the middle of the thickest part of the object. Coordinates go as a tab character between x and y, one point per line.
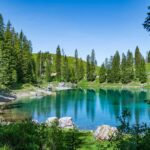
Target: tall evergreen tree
1	49
130	65
58	63
142	76
81	69
9	76
65	69
38	64
124	76
102	74
48	68
116	67
147	21
88	68
93	66
72	75
108	65
137	62
148	57
76	66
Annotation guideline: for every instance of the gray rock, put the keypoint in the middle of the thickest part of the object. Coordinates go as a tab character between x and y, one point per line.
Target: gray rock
51	120
35	121
105	132
66	122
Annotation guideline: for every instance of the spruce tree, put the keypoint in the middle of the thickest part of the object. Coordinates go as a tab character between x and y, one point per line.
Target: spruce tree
81	69
130	65
148	57
137	62
65	69
102	74
38	64
76	66
48	68
116	68
93	66
108	65
88	68
9	55
1	49
142	76
124	76
72	75
58	63
147	21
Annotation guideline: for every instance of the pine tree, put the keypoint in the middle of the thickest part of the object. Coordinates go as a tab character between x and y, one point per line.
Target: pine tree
1	49
93	66
88	68
147	21
148	57
76	66
67	73
137	62
81	69
48	68
130	65
102	74
142	75
8	54
65	69
108	65
124	76
38	64
116	68
58	63
72	75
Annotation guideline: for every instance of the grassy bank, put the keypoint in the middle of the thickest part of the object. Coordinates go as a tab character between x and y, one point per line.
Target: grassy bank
96	85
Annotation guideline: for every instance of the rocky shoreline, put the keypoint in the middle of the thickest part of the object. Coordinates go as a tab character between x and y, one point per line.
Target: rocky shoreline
36	92
103	132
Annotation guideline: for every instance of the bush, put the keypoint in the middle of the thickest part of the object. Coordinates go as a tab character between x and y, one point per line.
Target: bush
31	136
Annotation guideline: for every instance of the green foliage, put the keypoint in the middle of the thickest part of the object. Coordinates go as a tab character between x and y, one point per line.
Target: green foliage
81	69
76	66
91	67
88	68
16	63
58	63
102	74
115	72
137	62
148	57
143	76
128	69
29	135
147	21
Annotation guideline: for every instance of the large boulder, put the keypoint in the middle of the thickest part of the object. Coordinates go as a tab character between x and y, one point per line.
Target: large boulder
51	120
105	132
66	122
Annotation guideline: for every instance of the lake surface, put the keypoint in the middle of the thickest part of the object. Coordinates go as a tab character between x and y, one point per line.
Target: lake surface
88	108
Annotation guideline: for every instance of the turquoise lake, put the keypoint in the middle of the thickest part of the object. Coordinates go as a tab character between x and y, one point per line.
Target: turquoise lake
88	108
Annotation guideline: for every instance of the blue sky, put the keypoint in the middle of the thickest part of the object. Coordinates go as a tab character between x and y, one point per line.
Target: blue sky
103	25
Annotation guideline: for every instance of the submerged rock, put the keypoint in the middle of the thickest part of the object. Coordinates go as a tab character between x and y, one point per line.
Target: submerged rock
66	122
51	120
105	132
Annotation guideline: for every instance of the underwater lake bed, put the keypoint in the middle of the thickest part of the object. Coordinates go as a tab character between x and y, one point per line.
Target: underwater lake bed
88	108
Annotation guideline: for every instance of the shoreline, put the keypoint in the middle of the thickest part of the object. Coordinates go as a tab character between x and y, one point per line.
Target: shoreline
31	91
51	89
